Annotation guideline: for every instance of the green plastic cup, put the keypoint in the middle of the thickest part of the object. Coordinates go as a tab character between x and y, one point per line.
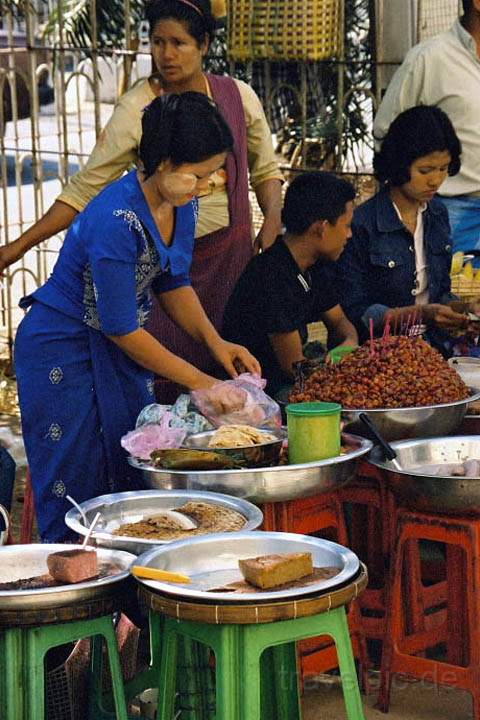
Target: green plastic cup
313	431
337	354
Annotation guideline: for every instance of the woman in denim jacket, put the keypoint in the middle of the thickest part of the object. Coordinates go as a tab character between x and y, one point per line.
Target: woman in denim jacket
397	264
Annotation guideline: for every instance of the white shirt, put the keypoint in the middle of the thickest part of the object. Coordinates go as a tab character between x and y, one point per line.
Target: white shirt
442	71
422	295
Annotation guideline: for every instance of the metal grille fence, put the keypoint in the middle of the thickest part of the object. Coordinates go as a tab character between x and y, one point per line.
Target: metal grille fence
43	143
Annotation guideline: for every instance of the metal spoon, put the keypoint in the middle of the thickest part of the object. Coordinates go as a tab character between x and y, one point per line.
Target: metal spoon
91	529
77	506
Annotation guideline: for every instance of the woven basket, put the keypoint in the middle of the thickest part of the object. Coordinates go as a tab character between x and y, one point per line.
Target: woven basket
465	289
296	30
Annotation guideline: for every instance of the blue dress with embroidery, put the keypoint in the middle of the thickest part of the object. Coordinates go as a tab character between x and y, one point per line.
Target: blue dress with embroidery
78	392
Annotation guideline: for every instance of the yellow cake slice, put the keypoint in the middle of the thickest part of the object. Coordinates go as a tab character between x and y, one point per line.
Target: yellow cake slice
268	571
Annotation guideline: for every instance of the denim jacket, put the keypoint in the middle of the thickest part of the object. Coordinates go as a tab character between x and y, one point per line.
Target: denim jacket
377	268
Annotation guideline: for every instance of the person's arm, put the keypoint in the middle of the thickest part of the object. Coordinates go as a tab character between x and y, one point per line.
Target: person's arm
56	219
145	350
265	176
269	197
288	349
340	330
184	308
443	316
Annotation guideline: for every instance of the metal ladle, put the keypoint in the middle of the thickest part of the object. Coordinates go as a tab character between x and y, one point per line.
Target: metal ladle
388	451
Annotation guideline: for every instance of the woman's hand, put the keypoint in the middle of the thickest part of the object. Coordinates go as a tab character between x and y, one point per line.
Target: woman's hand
235	358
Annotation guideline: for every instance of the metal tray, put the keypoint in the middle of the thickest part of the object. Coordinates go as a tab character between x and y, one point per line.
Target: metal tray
260	485
433	493
212	560
120	508
23	561
412	422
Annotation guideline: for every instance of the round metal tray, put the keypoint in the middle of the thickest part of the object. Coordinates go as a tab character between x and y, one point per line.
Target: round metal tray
261	485
414	422
24	561
433	493
212	561
126	507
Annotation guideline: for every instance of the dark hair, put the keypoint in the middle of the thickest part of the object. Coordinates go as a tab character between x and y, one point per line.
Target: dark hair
467	6
186	128
199	23
314	196
416	132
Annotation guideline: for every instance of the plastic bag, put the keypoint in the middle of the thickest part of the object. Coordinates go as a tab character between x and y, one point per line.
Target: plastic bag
182	413
144	440
238	402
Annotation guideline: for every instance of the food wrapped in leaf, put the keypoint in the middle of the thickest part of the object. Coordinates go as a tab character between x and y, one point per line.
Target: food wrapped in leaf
186	459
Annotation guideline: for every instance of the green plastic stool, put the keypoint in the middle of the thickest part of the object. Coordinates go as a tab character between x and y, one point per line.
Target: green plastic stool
22	674
238	650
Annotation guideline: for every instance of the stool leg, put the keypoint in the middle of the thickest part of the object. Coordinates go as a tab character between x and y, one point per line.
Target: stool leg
346	663
35	677
250	651
11	668
234	681
168	672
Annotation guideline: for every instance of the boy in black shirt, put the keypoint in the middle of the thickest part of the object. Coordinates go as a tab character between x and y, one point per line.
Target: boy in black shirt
292	283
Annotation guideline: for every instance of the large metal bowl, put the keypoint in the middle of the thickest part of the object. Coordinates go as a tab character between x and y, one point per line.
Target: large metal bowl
24	561
126	507
212	561
415	422
433	493
268	453
260	485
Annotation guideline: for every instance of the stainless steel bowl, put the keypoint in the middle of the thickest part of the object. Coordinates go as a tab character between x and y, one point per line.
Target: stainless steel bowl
260	485
433	493
24	561
212	561
263	455
126	507
415	422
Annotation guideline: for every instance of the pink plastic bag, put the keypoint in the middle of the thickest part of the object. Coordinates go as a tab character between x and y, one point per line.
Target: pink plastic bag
238	402
144	440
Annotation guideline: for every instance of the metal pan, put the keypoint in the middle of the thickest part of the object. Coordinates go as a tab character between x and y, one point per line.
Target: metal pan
261	485
412	422
126	507
263	455
24	561
212	561
433	493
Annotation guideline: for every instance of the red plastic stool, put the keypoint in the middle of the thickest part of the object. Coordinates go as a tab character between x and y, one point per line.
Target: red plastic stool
315	516
405	643
371	525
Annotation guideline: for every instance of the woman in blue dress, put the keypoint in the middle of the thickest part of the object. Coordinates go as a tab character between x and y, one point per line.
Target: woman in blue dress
83	361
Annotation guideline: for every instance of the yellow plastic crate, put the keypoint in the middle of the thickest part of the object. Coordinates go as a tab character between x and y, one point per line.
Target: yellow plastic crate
465	289
289	30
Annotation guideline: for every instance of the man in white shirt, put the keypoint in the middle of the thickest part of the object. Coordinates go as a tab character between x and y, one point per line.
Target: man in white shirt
445	71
